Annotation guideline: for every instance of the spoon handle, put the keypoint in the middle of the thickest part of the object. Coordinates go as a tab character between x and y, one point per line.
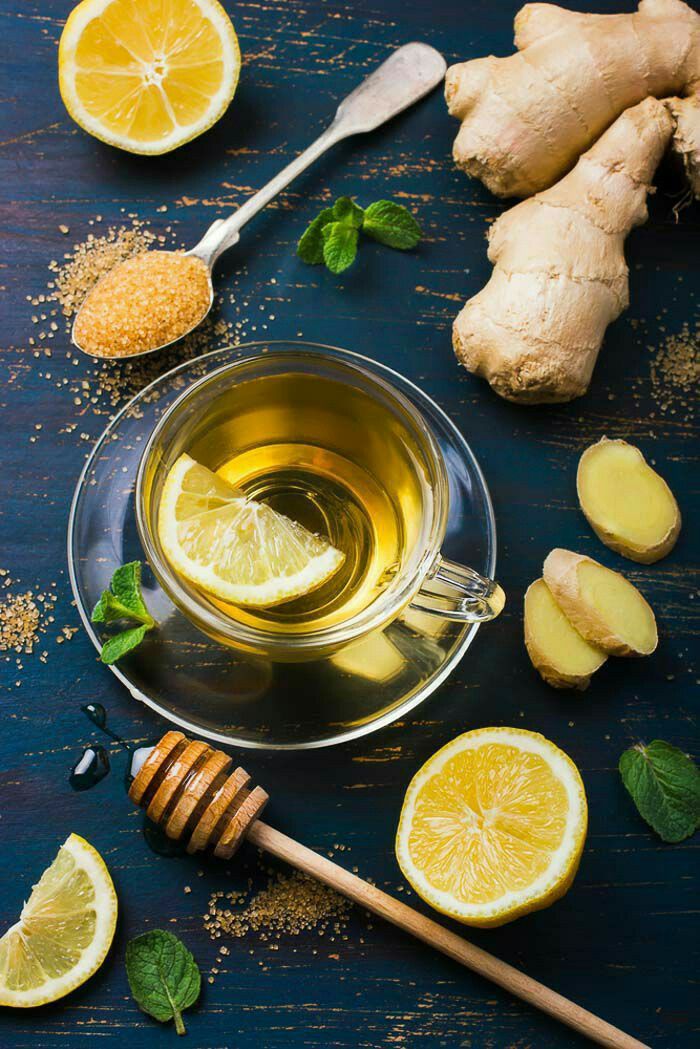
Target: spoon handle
406	76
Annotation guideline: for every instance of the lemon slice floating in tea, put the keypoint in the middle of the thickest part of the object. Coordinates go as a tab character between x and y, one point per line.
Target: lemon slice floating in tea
64	931
148	75
493	826
237	549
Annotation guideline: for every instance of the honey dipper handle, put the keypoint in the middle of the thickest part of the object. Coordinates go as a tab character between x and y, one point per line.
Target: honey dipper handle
436	935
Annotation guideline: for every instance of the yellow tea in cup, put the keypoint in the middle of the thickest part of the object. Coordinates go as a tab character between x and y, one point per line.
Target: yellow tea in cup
334	448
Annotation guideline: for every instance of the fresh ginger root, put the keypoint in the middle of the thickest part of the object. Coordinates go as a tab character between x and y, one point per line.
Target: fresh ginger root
686	138
527	118
604	607
560	275
627	504
556	649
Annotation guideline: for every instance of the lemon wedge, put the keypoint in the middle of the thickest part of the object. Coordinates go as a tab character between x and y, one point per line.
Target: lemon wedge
148	75
493	826
64	931
236	549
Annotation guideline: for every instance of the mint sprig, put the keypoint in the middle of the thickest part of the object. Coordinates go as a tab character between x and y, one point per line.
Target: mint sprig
163	976
664	784
333	236
123	602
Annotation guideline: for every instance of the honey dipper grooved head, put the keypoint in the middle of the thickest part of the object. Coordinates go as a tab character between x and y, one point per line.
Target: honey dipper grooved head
187	787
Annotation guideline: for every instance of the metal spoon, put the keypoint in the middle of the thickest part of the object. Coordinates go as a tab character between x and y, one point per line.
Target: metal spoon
406	76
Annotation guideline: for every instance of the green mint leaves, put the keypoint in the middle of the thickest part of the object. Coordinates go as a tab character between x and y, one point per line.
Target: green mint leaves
123	601
339	245
163	976
120	644
333	236
391	224
310	247
665	786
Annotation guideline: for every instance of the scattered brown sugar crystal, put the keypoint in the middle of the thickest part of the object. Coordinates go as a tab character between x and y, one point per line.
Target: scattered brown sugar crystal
24	617
90	261
19	623
675	371
290	904
145	302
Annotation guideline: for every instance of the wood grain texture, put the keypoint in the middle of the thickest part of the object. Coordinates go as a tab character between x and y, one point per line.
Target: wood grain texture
624	941
435	935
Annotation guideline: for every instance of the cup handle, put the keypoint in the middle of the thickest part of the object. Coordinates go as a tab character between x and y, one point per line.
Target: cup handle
456	592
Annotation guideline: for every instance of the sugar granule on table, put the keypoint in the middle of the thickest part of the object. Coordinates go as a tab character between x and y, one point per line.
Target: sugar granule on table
675	371
290	904
19	623
24	617
90	261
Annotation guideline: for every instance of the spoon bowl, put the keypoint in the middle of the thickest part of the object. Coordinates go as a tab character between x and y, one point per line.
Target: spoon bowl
182	333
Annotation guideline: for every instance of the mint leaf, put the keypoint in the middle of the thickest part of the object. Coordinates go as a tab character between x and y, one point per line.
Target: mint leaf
344	210
332	237
664	784
126	587
123	601
109	609
163	976
310	247
339	245
120	644
391	224
102	612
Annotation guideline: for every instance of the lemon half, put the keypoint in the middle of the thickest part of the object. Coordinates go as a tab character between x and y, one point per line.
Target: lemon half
493	826
148	75
64	931
239	550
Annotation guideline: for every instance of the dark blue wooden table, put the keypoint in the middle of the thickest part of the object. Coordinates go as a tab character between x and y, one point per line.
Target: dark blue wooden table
624	941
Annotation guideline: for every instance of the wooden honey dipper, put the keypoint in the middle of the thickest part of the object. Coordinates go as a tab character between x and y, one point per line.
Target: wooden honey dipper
188	788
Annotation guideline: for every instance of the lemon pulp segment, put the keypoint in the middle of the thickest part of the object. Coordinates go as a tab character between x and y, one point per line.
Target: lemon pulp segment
64	931
235	548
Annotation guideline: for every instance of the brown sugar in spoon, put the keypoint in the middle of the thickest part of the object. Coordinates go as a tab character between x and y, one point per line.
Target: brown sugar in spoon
192	792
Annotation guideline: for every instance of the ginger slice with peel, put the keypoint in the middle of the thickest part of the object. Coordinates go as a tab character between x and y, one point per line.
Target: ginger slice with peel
556	649
605	608
627	504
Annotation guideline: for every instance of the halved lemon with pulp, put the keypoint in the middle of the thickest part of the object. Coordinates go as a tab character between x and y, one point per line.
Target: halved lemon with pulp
237	549
148	75
493	825
64	931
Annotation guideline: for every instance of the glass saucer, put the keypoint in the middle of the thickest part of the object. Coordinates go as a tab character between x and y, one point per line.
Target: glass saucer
214	692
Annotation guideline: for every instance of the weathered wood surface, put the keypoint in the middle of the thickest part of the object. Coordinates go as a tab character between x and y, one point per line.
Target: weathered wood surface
624	942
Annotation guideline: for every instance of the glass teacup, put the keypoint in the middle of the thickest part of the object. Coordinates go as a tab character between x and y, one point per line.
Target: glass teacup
322	438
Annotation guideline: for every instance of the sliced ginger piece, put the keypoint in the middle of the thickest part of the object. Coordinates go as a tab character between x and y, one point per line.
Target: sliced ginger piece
605	608
627	504
556	649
